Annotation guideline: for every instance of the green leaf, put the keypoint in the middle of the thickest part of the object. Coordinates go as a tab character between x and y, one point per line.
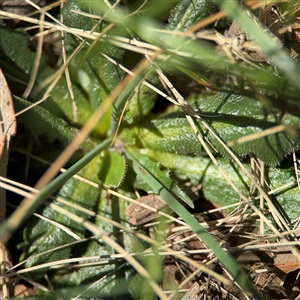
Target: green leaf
225	259
143	99
162	176
93	77
115	278
200	170
8	226
113	168
40	235
232	117
43	122
97	76
189	12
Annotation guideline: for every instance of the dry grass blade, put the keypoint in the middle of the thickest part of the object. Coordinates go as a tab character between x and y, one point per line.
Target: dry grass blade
253	231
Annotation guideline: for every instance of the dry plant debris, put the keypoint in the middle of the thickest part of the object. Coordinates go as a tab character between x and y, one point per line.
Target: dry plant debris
273	268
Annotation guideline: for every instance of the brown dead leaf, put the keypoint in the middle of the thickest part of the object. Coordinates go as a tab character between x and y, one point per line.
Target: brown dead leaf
193	292
140	214
19	7
7	131
286	261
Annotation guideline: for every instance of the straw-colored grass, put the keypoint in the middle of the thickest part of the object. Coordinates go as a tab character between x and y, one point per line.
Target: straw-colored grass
156	152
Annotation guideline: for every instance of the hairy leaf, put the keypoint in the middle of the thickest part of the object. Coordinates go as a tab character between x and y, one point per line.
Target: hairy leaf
93	77
200	170
162	175
41	121
40	235
231	117
225	259
187	13
116	277
143	99
113	168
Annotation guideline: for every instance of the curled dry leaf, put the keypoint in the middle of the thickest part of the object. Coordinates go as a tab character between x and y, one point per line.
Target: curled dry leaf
193	292
7	131
8	128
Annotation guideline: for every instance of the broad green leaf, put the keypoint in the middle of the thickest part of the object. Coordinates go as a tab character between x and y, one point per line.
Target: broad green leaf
93	77
125	95
17	60
113	168
225	259
40	236
162	175
43	122
143	99
97	76
114	282
19	64
200	170
8	226
231	117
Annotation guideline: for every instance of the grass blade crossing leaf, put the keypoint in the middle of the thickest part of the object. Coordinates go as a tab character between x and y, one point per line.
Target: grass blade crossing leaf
162	175
225	259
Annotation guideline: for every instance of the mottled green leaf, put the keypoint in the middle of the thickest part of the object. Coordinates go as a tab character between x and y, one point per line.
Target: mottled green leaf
143	99
225	258
93	77
114	282
40	235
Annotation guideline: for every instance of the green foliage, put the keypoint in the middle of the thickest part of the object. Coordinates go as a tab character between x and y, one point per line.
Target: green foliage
40	235
163	176
113	168
188	13
142	101
200	170
161	149
232	117
42	122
